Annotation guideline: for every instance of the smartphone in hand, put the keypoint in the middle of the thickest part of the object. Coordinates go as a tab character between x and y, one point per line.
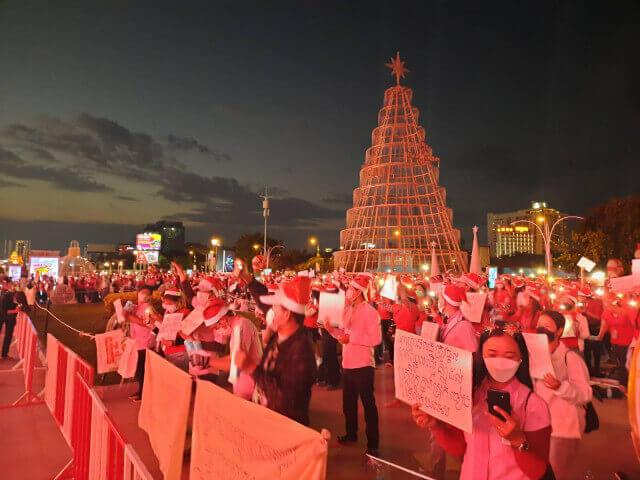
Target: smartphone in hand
498	398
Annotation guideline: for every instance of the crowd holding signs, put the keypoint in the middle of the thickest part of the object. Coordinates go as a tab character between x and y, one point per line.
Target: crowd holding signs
497	376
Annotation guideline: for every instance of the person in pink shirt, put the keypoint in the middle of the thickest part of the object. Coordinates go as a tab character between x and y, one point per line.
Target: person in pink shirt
359	335
515	447
456	330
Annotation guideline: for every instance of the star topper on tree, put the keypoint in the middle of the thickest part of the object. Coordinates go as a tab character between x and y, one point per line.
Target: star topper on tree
397	67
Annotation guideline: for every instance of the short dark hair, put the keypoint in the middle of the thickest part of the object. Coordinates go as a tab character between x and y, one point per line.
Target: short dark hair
145	287
298	317
556	316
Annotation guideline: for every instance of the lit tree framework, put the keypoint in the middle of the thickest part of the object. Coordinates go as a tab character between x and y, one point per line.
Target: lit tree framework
399	208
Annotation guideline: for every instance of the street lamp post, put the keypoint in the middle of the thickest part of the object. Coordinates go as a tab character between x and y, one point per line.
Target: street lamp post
547	234
215	243
314	242
265	214
269	250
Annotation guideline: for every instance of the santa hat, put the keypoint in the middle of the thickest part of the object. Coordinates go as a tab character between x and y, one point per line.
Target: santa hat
292	295
585	292
172	293
518	282
453	295
209	284
361	282
474	280
216	309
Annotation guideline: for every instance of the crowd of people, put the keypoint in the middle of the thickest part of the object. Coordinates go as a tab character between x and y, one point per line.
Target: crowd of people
259	335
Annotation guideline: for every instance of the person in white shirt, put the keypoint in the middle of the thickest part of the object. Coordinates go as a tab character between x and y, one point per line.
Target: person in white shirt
359	335
566	392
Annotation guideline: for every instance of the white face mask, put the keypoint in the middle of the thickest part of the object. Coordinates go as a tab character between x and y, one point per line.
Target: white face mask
169	307
269	318
501	369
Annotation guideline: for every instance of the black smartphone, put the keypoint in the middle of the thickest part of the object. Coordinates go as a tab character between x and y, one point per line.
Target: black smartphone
501	399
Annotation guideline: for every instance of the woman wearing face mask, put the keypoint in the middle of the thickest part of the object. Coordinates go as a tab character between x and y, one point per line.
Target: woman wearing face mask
514	449
141	321
173	302
566	391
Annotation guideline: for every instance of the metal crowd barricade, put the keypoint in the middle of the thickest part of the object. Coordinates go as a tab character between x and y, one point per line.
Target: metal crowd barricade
26	341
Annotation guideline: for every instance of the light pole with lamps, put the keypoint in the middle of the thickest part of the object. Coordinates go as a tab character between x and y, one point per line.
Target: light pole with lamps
215	243
547	234
313	241
265	214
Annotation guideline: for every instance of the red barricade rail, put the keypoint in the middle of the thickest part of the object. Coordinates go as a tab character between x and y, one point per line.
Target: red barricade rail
99	450
26	341
69	406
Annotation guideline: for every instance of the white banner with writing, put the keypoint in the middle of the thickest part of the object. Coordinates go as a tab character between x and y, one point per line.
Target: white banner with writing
109	348
436	376
234	438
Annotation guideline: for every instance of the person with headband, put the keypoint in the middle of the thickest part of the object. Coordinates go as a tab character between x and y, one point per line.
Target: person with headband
515	446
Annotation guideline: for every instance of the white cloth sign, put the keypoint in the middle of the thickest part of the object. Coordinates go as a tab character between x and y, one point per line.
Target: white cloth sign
192	321
430	330
171	325
117	304
164	412
128	359
473	307
436	376
539	355
624	284
109	348
390	288
331	308
236	439
234	346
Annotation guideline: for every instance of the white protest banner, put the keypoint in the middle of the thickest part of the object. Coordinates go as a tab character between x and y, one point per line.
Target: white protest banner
234	346
171	325
164	412
585	263
539	356
117	304
202	298
635	266
236	439
331	308
192	321
430	330
389	288
473	307
436	376
128	359
624	284
109	348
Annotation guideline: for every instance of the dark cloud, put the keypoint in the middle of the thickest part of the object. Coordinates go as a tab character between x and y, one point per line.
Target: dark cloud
64	178
175	142
339	198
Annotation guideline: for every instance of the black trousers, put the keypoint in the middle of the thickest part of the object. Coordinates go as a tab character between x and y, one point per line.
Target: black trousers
592	354
358	382
9	325
387	337
142	357
330	368
619	354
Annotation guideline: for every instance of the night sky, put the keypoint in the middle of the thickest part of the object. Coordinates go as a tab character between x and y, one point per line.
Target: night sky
115	114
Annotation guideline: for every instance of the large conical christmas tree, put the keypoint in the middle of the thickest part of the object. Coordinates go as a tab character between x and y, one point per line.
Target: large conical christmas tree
399	211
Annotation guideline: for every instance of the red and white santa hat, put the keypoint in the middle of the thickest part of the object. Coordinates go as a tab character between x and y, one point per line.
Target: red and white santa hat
172	292
361	282
585	292
454	295
209	284
473	280
292	295
216	309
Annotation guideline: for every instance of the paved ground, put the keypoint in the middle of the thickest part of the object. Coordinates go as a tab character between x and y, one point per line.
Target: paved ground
32	448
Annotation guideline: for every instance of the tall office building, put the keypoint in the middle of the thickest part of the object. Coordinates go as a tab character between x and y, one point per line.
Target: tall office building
507	238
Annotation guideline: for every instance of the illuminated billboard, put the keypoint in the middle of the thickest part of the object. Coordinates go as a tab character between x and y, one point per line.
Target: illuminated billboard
44	266
15	272
148	241
148	257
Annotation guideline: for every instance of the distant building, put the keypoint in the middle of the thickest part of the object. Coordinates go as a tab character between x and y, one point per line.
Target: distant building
507	239
21	247
172	236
